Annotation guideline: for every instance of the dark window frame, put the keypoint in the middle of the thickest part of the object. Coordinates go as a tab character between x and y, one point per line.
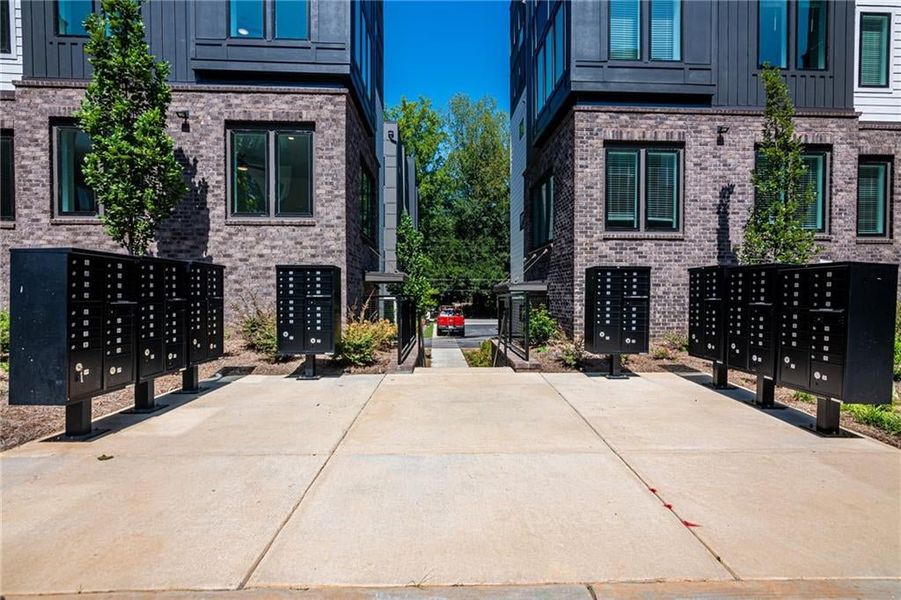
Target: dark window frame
651	35
639	37
56	126
269	24
797	49
543	42
8	26
56	21
791	38
888	51
10	135
548	237
826	151
786	41
641	189
888	161
271	130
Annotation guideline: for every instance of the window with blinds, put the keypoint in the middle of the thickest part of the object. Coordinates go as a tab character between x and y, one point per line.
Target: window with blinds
874	49
624	29
873	197
813	214
666	29
642	191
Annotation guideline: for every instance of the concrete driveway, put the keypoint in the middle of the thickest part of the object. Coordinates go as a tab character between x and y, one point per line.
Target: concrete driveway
420	486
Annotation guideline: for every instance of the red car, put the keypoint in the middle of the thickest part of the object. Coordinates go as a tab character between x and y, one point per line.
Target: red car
450	320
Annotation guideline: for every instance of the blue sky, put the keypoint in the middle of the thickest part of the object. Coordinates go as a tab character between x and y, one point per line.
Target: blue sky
437	48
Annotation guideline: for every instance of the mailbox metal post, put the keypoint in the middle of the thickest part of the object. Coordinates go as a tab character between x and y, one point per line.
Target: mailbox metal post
616	363
720	376
828	415
145	398
766	392
309	368
190	380
78	418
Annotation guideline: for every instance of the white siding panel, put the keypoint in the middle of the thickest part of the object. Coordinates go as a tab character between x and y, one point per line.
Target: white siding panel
880	104
517	166
11	64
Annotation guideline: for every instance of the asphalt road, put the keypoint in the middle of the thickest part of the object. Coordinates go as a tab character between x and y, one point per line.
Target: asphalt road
477	331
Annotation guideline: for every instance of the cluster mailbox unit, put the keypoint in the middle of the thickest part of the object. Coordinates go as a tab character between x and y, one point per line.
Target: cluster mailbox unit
85	323
617	307
308	311
825	328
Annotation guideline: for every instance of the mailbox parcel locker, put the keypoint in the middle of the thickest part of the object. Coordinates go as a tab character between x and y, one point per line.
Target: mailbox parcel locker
706	312
162	317
617	307
836	330
205	312
751	319
308	307
72	328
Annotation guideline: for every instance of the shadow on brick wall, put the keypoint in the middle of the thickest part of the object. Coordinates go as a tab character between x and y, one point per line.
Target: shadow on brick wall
186	233
724	252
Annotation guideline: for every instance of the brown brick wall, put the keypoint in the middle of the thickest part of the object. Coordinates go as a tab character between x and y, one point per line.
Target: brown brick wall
717	196
199	228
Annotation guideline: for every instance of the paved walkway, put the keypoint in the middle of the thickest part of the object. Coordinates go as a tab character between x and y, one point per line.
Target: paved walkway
450	477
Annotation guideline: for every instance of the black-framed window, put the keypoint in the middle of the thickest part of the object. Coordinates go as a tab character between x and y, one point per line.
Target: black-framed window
874	192
6	25
550	58
542	212
273	19
363	44
643	188
369	217
873	60
7	177
666	30
810	34
71	15
625	29
772	33
73	195
270	172
814	214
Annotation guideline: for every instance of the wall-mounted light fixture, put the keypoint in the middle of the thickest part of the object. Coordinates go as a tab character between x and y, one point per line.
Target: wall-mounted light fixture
720	131
184	115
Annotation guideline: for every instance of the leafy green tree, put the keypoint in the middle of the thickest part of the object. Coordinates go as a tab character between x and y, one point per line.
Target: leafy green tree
412	260
131	166
775	231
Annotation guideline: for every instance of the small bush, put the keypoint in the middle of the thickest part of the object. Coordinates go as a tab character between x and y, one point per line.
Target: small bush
571	352
483	357
362	338
661	353
882	417
676	341
542	326
804	397
898	343
258	331
4	332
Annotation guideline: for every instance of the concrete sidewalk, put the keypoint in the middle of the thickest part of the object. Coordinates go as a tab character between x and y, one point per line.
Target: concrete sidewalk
454	477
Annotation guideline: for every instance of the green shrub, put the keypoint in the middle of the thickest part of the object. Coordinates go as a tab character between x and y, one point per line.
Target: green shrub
898	342
258	331
362	338
542	326
882	417
661	353
571	352
804	397
4	332
675	341
483	357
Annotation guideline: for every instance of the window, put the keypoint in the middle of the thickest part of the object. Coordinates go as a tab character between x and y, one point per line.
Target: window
666	30
368	206
270	172
522	128
643	189
814	215
873	192
7	183
874	49
290	19
624	29
772	33
71	15
550	60
542	212
5	27
811	34
363	46
74	197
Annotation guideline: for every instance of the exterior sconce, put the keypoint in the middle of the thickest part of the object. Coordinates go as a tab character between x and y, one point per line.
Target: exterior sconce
720	131
184	115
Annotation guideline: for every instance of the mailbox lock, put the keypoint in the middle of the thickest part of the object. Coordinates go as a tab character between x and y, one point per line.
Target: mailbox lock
112	370
817	375
146	351
787	359
79	367
284	334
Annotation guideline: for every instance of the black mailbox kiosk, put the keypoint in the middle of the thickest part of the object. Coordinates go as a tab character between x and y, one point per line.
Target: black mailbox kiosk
206	319
308	311
836	334
706	318
751	325
72	329
617	312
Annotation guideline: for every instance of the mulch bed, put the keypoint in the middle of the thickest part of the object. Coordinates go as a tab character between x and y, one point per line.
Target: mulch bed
20	424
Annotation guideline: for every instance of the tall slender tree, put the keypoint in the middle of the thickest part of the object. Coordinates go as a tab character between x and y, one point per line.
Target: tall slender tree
775	232
131	167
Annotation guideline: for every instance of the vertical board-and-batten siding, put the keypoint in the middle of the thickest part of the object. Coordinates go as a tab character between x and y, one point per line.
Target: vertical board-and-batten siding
518	154
880	104
737	73
11	64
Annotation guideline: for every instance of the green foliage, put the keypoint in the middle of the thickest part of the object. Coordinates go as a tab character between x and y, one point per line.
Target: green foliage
897	366
570	352
675	341
662	353
542	326
258	331
462	166
775	232
362	338
4	340
804	397
412	260
131	166
483	357
884	417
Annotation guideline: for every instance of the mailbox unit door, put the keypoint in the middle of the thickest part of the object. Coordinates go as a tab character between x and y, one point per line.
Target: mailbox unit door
197	331
85	363
318	326
695	313
635	326
119	343
290	325
175	336
215	325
